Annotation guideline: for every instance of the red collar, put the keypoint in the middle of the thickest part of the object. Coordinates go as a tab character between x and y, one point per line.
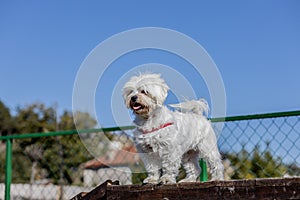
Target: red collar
156	129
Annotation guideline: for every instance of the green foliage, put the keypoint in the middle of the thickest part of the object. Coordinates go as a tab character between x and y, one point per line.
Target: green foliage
2	166
66	121
63	159
54	158
138	173
137	178
21	166
256	164
35	118
83	120
6	121
58	159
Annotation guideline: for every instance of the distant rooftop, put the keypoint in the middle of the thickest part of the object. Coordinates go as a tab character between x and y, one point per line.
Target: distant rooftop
120	157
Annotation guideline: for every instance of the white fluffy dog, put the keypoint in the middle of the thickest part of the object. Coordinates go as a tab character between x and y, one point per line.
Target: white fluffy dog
167	139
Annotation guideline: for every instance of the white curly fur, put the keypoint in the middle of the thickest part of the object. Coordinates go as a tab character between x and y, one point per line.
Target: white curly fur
168	139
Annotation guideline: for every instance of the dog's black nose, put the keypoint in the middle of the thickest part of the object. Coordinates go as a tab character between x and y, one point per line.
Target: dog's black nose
134	98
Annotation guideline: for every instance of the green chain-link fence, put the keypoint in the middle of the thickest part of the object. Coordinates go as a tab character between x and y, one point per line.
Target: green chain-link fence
59	166
261	146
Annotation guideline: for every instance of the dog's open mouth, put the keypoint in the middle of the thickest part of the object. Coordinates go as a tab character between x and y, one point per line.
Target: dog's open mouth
137	106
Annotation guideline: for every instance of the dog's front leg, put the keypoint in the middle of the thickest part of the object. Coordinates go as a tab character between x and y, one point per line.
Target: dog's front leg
169	169
152	164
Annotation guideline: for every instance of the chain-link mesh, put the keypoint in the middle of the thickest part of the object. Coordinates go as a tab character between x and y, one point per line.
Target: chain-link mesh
60	167
261	148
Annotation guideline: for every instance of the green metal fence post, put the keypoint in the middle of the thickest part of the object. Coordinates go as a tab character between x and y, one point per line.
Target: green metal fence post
8	168
203	175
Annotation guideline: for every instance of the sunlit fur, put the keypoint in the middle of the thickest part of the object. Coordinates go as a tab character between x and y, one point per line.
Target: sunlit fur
168	139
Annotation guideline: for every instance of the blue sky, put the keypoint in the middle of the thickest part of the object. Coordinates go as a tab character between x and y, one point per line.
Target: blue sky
255	45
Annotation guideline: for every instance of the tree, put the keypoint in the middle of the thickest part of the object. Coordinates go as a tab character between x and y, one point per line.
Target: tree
35	118
83	120
6	122
54	158
256	164
66	121
267	165
68	152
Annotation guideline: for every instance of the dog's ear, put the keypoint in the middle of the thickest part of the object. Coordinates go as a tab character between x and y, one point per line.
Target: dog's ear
161	93
126	92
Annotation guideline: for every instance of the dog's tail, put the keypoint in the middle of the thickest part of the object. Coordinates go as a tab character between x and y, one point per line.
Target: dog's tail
199	107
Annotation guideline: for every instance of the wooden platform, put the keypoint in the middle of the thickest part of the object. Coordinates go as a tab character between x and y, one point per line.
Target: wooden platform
286	188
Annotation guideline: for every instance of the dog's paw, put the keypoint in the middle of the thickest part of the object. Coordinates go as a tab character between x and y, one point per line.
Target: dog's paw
150	180
217	175
189	179
165	179
217	178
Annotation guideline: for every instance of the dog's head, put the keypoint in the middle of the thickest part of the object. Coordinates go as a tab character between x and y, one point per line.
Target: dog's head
143	93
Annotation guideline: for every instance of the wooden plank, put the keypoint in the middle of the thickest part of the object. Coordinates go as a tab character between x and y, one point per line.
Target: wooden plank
286	188
98	193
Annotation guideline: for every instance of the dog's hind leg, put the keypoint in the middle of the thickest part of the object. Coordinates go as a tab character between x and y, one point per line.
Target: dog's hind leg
216	167
209	151
190	163
214	161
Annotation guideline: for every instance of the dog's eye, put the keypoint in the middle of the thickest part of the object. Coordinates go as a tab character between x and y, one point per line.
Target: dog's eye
143	92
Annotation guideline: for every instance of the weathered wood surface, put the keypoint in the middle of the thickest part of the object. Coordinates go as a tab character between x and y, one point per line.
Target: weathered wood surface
98	193
286	188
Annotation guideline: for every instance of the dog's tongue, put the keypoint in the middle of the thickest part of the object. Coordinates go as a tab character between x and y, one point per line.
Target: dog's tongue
137	107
